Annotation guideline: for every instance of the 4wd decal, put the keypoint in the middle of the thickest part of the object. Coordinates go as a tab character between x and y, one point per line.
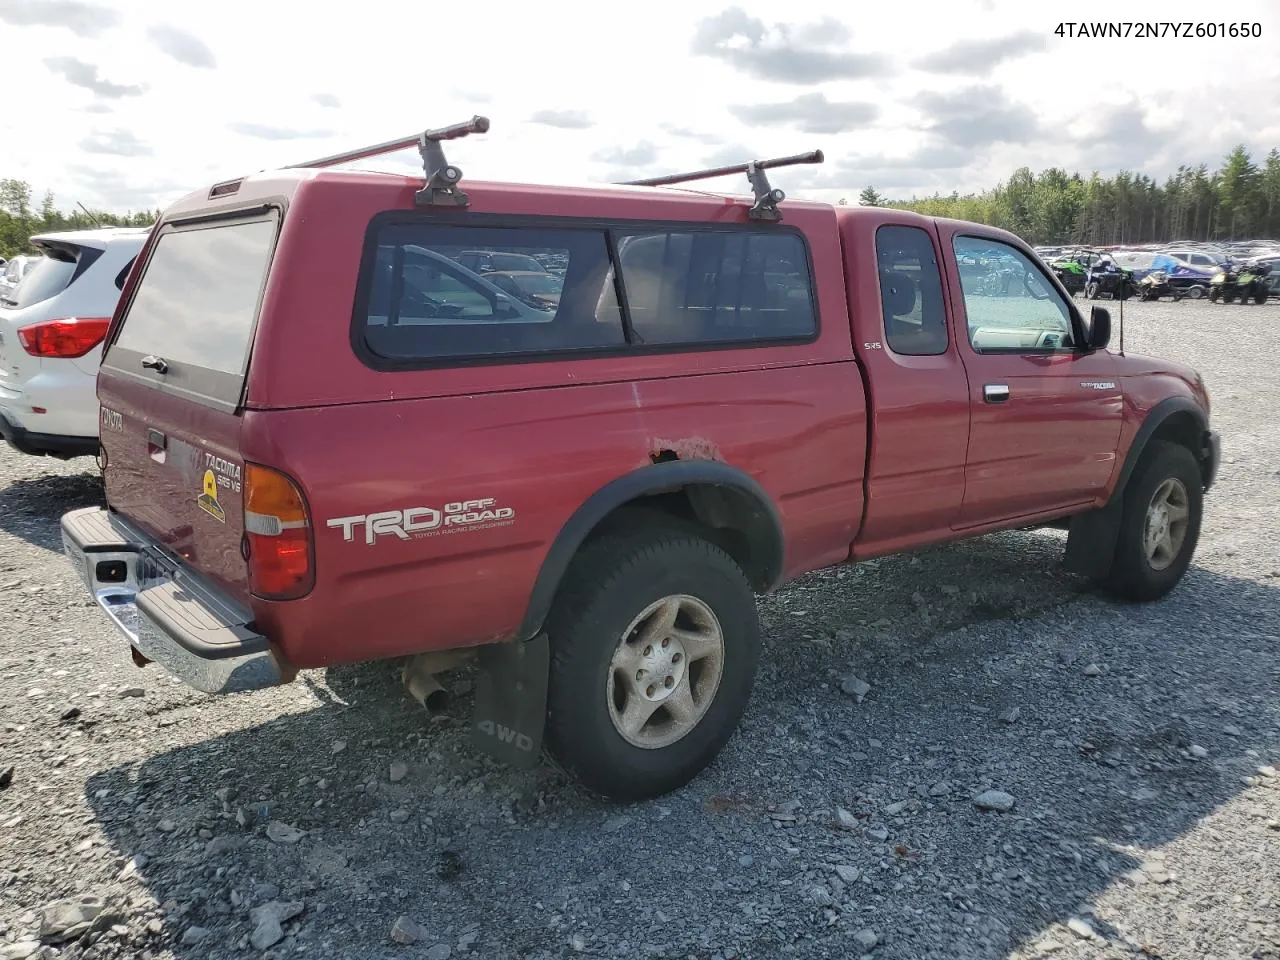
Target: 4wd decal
413	523
208	500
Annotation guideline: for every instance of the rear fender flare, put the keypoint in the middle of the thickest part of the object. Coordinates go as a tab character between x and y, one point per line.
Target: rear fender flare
764	525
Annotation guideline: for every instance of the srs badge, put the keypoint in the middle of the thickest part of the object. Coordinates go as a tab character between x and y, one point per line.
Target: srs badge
209	499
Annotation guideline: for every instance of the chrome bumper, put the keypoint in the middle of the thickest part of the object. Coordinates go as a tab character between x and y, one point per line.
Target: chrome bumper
170	617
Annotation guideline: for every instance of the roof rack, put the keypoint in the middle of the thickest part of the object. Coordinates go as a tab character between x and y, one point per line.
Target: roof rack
441	188
767	198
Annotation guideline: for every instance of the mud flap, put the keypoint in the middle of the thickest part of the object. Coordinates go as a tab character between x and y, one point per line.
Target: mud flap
511	700
1091	540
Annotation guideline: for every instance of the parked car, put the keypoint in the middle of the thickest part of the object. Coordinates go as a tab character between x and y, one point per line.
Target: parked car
731	392
483	261
538	288
51	330
14	271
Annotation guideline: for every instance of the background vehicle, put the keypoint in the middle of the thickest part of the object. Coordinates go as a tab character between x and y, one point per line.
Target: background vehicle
729	393
536	288
11	276
484	261
51	330
1155	285
1106	279
1246	281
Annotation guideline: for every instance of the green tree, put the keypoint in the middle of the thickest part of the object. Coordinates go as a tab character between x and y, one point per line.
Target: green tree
869	197
19	221
1240	200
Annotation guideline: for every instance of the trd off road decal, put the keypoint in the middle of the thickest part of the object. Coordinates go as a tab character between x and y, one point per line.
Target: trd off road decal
414	523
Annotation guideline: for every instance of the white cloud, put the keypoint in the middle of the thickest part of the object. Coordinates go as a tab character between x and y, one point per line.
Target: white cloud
921	95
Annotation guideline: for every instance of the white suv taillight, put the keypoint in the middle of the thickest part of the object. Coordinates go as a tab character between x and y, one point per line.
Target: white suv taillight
66	338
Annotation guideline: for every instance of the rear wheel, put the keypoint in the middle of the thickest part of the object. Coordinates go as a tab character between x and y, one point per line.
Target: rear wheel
1260	297
1159	526
654	642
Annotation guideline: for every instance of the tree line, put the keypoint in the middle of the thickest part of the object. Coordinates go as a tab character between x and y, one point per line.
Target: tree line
21	218
1238	201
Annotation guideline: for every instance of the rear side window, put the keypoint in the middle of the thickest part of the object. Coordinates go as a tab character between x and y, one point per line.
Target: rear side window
436	291
195	307
915	320
716	286
45	278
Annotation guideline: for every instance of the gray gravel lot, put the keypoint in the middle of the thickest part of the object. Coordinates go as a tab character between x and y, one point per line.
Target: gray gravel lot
1137	745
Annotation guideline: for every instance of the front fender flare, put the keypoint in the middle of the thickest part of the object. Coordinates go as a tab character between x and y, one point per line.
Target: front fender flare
1091	542
764	523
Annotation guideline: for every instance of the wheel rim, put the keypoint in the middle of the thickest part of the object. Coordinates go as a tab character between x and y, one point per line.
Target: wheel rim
1168	516
665	672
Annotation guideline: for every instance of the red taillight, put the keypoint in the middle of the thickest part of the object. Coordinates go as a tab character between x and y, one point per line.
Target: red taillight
67	338
278	528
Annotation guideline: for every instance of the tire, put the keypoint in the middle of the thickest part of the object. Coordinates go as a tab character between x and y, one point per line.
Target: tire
1213	295
1134	575
1260	298
609	587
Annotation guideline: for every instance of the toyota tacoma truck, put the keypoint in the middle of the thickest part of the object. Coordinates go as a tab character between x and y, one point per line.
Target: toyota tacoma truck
327	438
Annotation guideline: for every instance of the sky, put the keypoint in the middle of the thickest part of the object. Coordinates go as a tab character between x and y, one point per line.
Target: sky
130	104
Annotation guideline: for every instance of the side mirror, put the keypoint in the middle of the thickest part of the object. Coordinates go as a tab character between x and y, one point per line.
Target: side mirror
1099	334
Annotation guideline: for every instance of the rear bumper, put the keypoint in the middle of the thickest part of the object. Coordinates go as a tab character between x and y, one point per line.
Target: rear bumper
169	616
45	444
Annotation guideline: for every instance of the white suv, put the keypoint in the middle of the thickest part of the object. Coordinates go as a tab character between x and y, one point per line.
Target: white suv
51	329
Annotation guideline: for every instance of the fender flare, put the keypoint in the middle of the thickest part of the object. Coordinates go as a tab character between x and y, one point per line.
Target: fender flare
1157	416
1091	541
665	477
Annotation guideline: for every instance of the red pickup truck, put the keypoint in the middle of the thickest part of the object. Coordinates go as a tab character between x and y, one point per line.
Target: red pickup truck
326	439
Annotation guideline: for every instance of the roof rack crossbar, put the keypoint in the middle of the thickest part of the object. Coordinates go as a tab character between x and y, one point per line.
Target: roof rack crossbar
766	198
441	188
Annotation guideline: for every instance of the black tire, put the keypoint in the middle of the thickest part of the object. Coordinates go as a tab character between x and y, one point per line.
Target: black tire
1213	295
1260	298
611	582
1132	575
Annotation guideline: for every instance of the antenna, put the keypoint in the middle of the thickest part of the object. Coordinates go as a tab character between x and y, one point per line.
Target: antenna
441	188
1122	300
766	198
96	222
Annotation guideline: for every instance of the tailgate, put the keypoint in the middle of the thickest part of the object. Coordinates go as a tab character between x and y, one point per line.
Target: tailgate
171	387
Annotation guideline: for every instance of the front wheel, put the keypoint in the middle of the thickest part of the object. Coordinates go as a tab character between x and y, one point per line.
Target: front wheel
654	643
1213	295
1159	525
1260	297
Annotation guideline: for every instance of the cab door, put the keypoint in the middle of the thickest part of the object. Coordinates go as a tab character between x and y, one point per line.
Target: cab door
1044	411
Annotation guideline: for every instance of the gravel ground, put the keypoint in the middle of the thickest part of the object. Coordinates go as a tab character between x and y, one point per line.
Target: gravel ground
1136	744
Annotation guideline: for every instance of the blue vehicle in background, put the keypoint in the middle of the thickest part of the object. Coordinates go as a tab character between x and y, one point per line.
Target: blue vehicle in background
1188	281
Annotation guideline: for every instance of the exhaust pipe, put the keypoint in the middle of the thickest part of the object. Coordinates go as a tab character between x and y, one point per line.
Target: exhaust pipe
419	676
427	691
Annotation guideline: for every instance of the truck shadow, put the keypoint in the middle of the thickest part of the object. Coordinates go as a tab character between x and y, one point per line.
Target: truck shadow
521	864
31	508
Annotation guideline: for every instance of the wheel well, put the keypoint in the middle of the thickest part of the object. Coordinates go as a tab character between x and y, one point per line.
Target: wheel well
1183	429
728	517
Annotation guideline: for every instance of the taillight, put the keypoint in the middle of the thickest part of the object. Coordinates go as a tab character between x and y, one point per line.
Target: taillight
66	338
278	528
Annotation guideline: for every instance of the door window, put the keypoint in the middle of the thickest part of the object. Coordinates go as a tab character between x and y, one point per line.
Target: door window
911	302
1022	313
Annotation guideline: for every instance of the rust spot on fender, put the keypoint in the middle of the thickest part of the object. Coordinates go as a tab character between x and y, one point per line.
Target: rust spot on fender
689	448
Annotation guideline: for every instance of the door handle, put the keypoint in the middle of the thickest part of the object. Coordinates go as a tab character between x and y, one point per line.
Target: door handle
995	392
